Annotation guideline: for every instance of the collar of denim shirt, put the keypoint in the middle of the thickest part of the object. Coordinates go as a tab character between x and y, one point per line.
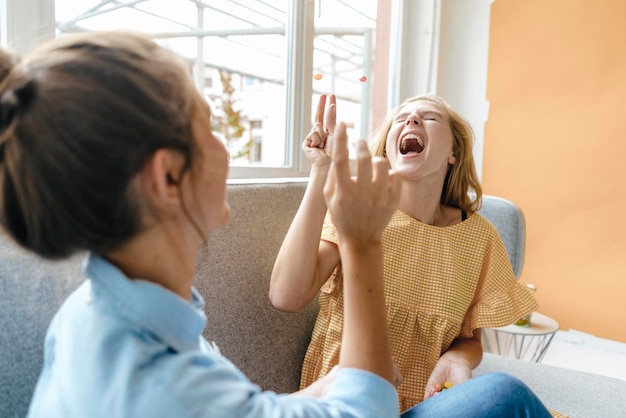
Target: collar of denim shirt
175	321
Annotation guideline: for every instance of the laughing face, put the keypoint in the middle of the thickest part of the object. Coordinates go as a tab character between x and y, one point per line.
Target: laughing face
420	142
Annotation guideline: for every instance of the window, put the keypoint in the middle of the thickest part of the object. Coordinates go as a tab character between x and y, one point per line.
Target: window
342	60
261	64
295	50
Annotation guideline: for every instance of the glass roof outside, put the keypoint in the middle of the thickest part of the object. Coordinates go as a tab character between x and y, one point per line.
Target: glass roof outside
231	22
170	15
247	39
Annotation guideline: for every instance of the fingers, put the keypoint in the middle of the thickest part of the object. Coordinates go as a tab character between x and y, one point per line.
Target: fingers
364	164
330	118
327	117
319	113
324	124
385	192
393	182
430	391
317	137
340	156
380	180
371	171
361	207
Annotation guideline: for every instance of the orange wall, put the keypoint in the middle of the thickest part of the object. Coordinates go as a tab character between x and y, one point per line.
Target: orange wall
555	144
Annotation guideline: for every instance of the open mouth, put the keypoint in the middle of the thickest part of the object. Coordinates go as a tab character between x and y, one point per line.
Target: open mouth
411	143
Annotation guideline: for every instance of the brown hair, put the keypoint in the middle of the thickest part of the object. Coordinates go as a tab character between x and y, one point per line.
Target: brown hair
78	119
461	188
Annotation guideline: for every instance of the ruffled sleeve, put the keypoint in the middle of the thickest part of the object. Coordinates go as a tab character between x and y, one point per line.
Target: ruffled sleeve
500	299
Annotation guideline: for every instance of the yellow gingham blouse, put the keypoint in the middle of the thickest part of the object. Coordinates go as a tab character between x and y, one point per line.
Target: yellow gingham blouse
441	283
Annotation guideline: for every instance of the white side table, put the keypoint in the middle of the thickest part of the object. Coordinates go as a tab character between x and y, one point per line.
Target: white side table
525	343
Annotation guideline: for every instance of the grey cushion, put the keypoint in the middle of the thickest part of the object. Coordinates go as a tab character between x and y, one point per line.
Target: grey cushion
32	290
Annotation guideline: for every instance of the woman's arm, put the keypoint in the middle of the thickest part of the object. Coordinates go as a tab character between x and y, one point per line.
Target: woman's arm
304	262
361	209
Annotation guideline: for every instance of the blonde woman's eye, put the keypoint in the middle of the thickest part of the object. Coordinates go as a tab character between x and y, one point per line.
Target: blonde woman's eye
400	118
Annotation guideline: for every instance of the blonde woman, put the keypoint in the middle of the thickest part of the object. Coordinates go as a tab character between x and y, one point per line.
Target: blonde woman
446	271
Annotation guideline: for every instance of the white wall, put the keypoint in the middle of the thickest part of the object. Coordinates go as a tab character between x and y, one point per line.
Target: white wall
441	47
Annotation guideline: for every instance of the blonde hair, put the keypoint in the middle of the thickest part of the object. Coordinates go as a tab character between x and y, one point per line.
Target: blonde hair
461	187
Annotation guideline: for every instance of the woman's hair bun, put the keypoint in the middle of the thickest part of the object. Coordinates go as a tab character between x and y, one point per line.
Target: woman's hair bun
17	91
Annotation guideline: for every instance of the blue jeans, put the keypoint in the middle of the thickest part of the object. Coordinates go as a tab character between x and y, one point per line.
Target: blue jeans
489	395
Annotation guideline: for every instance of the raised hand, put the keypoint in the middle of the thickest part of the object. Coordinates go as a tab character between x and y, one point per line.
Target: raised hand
314	145
299	270
361	207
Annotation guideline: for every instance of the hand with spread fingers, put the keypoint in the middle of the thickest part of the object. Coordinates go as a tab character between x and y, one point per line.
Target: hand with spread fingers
314	145
360	207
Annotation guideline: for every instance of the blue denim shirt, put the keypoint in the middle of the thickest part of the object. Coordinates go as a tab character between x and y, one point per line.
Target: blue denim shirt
130	348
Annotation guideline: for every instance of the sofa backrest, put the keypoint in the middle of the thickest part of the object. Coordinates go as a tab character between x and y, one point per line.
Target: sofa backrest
233	272
509	220
31	291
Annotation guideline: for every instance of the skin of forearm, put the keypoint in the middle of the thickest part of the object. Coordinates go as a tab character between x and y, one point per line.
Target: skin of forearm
366	340
293	282
466	350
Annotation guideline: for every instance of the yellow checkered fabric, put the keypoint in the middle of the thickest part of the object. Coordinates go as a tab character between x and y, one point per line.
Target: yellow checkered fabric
441	283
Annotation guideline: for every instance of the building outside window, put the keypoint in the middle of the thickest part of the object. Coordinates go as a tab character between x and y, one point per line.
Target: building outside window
261	64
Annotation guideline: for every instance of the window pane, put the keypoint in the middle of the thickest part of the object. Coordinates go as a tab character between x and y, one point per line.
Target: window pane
342	60
245	68
145	16
238	52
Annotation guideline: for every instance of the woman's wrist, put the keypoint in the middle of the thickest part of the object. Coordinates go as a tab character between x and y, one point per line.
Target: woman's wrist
319	171
456	358
363	247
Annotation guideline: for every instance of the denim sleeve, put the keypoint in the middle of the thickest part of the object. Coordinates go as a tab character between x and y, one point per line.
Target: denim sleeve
212	387
363	394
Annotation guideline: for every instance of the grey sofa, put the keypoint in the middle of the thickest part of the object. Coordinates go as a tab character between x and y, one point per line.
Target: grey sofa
233	273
